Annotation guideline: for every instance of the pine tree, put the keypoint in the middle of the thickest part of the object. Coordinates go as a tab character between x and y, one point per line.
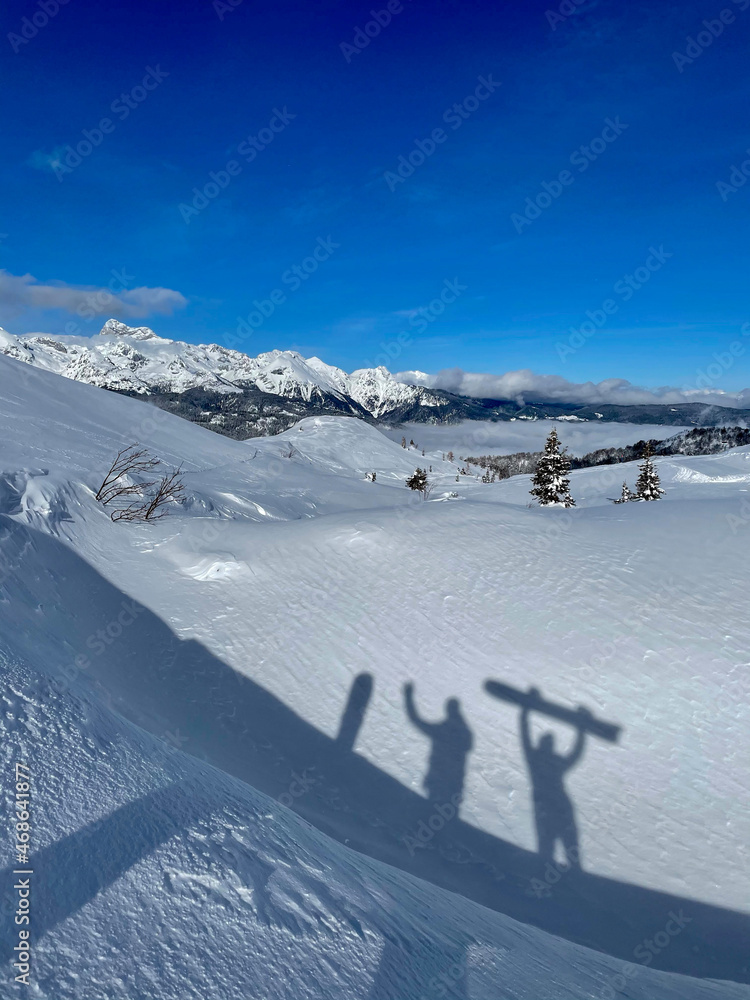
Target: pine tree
626	495
648	485
418	482
550	482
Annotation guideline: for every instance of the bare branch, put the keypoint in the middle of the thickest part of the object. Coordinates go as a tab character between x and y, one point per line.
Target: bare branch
129	461
170	489
133	512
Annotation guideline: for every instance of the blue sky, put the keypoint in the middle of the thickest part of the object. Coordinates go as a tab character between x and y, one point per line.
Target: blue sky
205	82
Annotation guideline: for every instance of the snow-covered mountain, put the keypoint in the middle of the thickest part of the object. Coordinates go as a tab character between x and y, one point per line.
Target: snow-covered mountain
135	359
242	396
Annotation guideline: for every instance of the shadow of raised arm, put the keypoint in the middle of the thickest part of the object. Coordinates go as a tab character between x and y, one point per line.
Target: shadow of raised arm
426	727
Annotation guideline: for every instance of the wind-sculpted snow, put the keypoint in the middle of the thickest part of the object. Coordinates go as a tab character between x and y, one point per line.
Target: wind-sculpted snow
181	689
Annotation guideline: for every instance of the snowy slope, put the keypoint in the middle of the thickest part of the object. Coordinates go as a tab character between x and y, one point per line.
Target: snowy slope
135	359
157	877
285	581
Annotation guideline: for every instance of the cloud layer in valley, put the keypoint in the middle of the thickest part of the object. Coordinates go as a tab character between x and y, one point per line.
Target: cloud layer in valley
526	386
504	437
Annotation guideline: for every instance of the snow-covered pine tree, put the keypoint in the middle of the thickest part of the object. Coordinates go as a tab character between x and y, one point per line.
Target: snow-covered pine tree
648	485
418	482
550	483
626	495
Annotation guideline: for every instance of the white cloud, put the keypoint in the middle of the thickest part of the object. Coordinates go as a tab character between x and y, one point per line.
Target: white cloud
46	161
525	386
18	292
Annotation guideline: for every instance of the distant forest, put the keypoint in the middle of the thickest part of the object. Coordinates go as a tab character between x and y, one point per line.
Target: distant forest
698	441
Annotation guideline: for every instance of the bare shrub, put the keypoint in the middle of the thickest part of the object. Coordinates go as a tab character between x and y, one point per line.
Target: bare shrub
130	461
143	500
169	489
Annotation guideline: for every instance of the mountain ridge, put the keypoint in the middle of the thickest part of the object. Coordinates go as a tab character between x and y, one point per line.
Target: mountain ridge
270	392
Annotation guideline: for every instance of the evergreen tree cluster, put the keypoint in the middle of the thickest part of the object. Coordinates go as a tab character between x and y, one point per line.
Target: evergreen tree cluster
647	486
550	484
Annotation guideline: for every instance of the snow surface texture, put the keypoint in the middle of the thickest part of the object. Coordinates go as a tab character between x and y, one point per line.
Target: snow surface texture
277	616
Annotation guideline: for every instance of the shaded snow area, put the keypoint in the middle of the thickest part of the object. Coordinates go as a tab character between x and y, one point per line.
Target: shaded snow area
283	744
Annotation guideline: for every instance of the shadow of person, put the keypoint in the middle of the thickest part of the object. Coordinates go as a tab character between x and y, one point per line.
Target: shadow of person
554	814
181	692
451	744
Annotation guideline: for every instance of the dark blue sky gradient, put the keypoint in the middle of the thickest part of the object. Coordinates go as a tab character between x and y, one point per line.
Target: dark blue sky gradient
323	176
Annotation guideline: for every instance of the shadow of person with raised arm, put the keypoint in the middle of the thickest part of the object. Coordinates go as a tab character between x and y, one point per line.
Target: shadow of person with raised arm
451	743
554	814
182	693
